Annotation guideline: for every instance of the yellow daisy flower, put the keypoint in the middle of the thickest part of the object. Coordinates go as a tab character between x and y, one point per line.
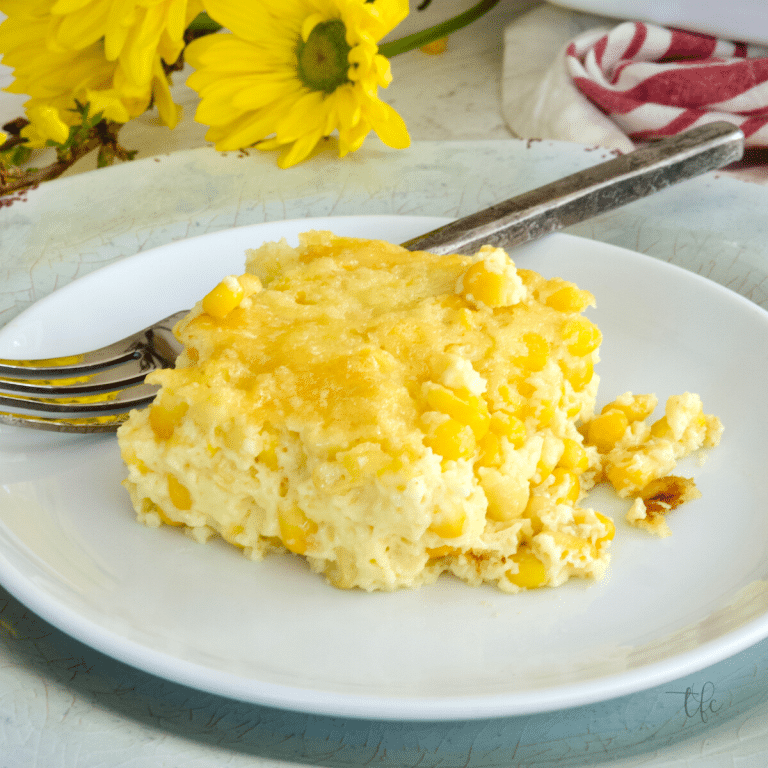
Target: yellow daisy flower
294	71
134	32
106	52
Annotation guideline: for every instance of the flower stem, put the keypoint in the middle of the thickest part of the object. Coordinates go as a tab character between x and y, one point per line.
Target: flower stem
418	39
101	135
14	180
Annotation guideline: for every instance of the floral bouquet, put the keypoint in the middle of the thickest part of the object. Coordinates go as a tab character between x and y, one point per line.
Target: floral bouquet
272	74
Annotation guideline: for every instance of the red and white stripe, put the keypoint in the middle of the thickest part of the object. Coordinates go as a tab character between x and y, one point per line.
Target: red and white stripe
653	81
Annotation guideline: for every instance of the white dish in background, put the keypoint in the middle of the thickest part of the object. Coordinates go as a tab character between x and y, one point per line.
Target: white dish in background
739	20
273	633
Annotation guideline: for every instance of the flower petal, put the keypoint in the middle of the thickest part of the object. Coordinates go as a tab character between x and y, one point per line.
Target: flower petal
348	107
49	123
61	7
304	115
250	20
79	30
122	15
390	127
265	91
300	150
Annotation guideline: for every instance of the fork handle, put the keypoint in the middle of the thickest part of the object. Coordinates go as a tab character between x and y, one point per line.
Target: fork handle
586	194
518	220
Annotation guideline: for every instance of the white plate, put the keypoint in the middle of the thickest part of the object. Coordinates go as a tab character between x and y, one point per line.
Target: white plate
274	634
737	20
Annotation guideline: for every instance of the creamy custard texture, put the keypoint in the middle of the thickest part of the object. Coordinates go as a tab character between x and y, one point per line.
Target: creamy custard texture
390	416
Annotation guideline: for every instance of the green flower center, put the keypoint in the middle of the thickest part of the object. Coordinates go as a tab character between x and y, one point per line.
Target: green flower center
322	63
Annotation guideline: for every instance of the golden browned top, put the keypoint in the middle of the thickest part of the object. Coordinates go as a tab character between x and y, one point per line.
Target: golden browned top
352	341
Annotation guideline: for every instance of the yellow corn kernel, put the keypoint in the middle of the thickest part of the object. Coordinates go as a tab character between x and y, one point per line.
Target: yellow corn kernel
467	409
578	373
531	572
661	428
507	499
572	410
569	298
363	461
570	544
638	408
583	336
538	352
543	470
610	528
167	520
232	533
545	413
526	390
569	488
485	286
605	430
533	509
165	415
624	478
466	318
451	440
223	298
296	530
249	283
512	398
551	451
268	457
132	460
179	493
506	425
395	464
490	451
574	456
538	411
434	552
452	301
449	526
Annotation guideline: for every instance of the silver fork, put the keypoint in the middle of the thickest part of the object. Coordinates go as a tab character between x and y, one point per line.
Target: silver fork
94	391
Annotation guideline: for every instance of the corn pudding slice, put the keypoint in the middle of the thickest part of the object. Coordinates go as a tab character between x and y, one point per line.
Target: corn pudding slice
388	416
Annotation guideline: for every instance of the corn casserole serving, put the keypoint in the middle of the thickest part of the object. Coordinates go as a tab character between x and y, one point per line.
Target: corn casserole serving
390	416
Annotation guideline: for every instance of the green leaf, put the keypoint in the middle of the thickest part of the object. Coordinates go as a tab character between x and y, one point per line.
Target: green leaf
20	154
204	23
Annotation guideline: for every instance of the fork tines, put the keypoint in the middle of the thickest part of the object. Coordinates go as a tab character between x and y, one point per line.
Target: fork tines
99	401
82	424
89	392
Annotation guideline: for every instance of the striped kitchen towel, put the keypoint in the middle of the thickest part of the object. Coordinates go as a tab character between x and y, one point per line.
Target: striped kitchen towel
652	81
